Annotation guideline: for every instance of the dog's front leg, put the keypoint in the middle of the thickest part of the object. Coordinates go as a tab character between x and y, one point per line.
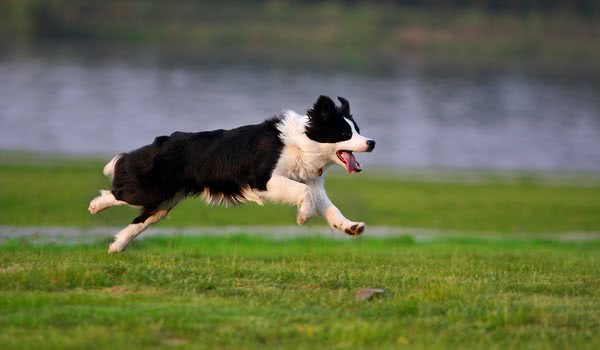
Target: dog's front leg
280	189
331	213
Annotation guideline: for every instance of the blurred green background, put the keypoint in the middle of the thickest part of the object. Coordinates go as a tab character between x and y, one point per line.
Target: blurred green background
558	32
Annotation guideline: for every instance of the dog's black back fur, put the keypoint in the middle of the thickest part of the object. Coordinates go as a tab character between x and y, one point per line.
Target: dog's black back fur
219	161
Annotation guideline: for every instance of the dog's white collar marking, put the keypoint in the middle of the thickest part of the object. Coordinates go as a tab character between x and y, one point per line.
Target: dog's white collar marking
301	157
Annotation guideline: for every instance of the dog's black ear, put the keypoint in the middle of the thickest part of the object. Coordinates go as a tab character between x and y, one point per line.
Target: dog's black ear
345	107
323	109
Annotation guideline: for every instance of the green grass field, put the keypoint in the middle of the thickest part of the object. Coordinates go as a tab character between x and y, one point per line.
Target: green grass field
245	292
256	292
58	193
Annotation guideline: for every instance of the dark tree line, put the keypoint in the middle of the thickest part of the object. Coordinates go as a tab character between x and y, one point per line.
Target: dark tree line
581	7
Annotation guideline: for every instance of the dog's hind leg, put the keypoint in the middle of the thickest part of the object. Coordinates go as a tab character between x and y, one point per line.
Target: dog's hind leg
149	215
104	200
138	225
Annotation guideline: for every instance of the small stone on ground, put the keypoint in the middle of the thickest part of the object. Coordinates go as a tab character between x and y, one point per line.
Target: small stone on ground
365	294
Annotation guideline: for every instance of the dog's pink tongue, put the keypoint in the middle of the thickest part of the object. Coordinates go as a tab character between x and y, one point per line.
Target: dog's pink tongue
352	164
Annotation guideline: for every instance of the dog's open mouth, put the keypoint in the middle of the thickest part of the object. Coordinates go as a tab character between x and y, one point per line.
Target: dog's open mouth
350	162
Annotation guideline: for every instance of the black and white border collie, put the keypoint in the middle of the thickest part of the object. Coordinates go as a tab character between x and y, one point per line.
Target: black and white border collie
283	159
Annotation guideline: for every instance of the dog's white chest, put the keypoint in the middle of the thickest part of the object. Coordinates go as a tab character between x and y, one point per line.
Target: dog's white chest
298	165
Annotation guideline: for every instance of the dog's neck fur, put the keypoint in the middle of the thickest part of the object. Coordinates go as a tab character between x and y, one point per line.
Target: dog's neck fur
301	158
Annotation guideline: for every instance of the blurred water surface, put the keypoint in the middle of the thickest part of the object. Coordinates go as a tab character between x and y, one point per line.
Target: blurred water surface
420	115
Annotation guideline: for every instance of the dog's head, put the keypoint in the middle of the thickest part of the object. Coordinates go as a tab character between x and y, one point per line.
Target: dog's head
333	125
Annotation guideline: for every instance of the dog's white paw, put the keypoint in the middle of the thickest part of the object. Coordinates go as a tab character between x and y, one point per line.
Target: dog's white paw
301	219
116	247
354	228
100	203
95	205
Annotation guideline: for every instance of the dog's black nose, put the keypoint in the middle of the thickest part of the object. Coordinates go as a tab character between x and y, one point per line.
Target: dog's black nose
371	145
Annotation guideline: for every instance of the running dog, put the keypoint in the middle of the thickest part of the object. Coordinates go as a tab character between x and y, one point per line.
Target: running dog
283	159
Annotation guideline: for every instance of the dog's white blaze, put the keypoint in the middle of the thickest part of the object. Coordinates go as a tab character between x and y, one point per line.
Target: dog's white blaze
357	143
354	132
